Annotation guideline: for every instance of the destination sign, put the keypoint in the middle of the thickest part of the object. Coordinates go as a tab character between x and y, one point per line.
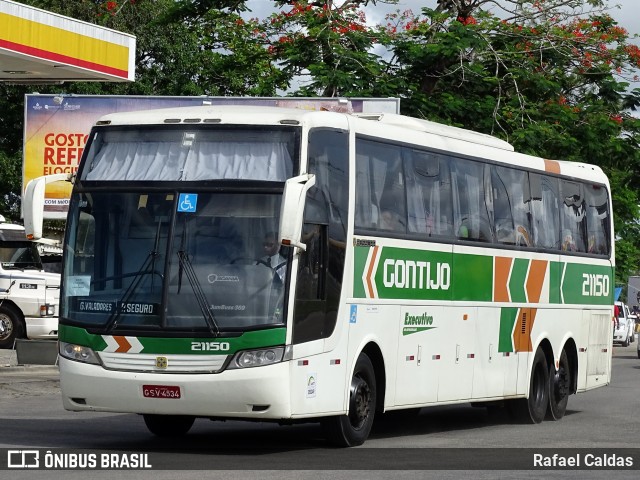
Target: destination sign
124	308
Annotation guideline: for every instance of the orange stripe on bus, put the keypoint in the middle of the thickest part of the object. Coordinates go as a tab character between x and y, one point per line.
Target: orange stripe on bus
370	271
551	166
522	331
123	344
537	271
500	287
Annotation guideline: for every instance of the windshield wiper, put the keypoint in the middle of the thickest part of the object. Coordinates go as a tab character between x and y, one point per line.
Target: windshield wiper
186	267
147	268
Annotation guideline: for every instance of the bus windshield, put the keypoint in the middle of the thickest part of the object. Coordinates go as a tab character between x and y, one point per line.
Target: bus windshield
172	261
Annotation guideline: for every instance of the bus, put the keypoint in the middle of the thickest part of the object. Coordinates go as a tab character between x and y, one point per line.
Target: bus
423	265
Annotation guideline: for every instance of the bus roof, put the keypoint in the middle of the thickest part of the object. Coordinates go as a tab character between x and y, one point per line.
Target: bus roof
385	125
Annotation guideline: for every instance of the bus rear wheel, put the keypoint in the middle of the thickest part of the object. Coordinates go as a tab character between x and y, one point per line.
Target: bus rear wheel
168	425
353	429
534	408
10	326
559	385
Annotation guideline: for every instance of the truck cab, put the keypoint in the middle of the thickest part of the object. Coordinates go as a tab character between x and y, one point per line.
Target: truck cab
29	295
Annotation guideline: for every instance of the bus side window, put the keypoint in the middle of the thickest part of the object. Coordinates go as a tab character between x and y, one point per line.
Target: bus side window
545	207
573	218
598	221
428	195
511	199
380	184
471	218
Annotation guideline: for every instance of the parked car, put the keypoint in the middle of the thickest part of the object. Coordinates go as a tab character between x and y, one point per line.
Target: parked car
624	333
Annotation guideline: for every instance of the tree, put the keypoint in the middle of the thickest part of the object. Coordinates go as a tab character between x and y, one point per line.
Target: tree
328	46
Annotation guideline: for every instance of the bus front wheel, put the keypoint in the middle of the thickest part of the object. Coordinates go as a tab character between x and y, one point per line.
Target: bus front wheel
168	425
534	408
353	429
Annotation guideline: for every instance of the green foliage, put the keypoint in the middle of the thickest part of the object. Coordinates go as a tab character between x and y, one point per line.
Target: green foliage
10	182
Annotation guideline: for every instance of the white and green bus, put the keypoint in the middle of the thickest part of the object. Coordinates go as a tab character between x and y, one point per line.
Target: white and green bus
418	265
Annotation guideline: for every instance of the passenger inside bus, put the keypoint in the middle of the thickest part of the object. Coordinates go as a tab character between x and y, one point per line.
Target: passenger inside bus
568	244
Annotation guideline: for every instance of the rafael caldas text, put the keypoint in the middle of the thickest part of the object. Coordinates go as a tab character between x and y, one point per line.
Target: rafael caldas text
595	460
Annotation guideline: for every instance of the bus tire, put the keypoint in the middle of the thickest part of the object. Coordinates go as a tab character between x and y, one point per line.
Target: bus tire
353	429
11	326
559	385
534	408
168	425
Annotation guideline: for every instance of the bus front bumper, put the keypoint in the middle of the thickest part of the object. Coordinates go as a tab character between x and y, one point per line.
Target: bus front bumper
252	393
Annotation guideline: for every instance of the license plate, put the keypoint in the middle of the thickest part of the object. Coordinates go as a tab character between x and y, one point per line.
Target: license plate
161	391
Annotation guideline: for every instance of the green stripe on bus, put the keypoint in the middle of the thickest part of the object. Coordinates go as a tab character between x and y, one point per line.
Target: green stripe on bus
472	278
172	345
508	317
587	284
359	260
80	336
555	273
518	280
426	275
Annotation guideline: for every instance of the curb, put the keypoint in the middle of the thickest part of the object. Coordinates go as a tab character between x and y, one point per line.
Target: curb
28	369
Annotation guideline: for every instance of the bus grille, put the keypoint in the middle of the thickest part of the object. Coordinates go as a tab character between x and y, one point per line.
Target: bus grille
144	362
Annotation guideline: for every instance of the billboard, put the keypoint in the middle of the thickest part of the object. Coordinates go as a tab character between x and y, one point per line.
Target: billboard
56	128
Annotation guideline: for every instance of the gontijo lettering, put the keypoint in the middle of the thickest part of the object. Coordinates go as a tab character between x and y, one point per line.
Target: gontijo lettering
420	275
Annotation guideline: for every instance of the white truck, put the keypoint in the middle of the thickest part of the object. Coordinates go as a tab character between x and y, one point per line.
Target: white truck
29	296
624	332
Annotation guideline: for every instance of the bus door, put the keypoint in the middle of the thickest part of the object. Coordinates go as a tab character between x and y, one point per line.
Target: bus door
598	349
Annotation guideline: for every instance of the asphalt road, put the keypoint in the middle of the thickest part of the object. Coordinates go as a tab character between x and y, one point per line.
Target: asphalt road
605	421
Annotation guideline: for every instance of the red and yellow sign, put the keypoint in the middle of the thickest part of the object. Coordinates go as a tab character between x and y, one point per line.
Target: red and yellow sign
58	47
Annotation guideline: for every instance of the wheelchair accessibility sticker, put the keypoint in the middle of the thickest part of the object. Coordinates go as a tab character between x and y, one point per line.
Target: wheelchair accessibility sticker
187	202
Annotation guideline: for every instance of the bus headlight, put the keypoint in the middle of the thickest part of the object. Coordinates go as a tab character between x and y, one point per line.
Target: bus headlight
257	358
77	353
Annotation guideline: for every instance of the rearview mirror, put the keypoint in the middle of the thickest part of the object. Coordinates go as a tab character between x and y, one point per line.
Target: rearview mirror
292	209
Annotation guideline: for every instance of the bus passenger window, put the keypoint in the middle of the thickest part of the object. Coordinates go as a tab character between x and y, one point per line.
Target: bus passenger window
511	199
470	210
545	211
573	218
429	195
598	220
380	187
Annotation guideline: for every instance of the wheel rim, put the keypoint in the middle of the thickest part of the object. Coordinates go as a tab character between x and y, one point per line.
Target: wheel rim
561	384
359	402
6	327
